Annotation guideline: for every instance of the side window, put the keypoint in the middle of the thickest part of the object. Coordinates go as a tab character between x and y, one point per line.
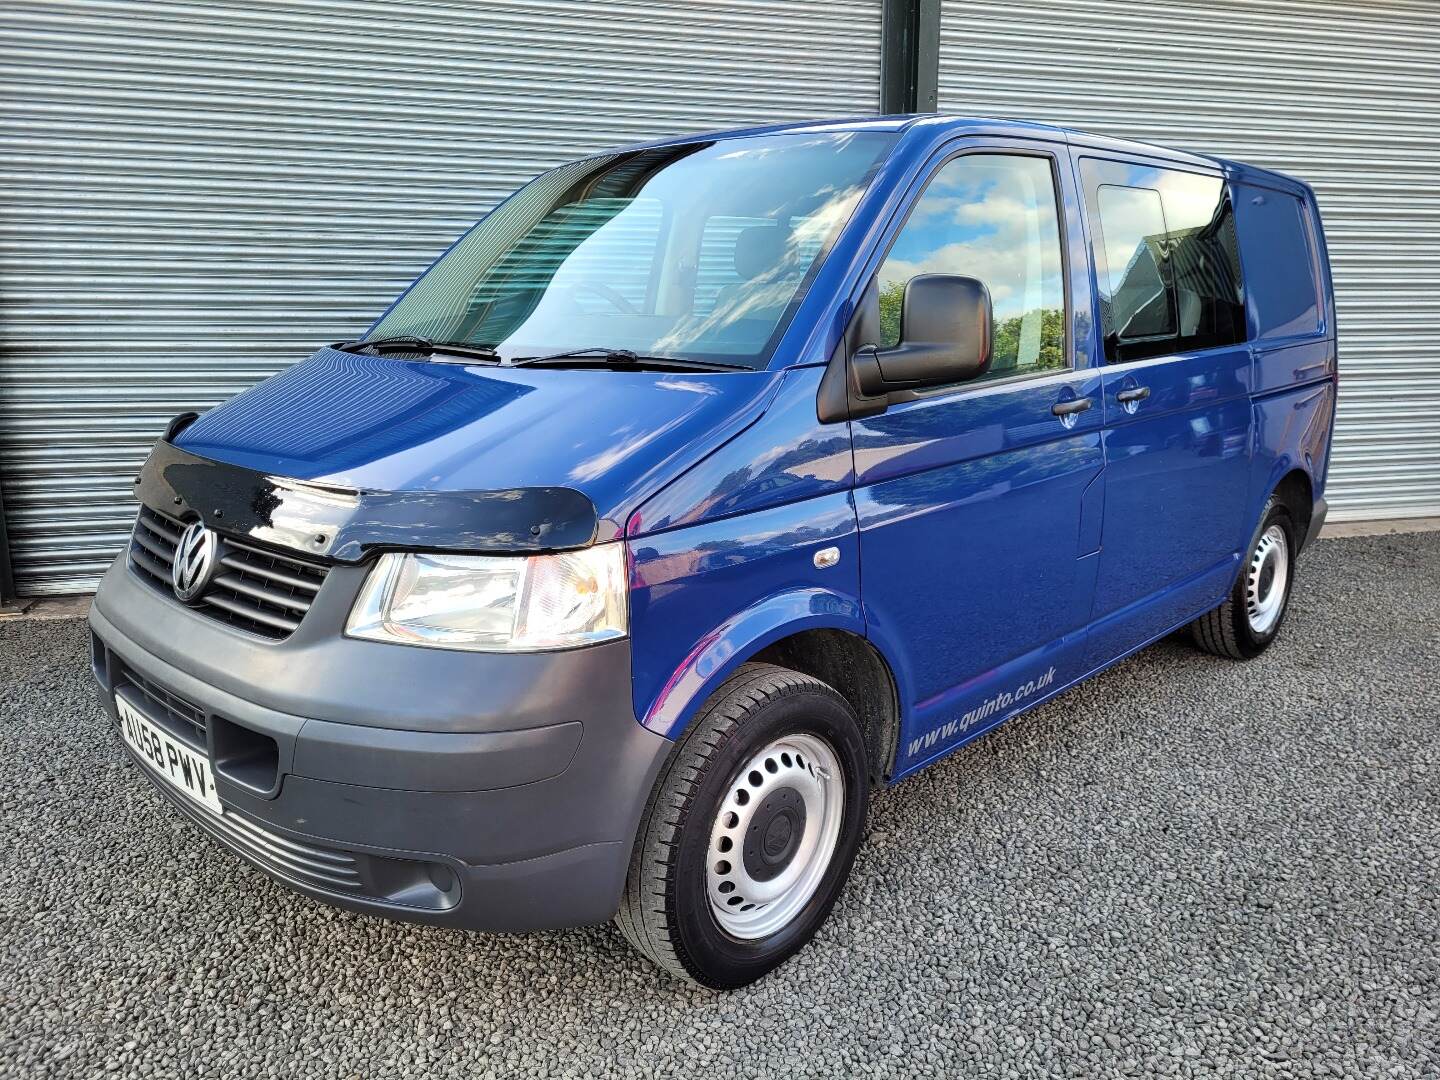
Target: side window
1275	237
1166	260
993	217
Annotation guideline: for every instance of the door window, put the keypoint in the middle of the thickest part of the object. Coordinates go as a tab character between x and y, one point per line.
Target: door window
993	217
1166	260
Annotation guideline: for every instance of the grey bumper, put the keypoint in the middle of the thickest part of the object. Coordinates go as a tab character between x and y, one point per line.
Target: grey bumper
462	789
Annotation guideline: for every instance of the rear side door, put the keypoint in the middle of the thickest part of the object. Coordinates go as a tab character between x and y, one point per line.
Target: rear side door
978	502
1176	383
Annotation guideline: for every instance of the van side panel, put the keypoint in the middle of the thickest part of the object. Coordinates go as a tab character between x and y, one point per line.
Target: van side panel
1290	363
1292	432
1289	308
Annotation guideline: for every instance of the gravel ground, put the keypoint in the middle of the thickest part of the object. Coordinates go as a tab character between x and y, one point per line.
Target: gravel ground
1186	867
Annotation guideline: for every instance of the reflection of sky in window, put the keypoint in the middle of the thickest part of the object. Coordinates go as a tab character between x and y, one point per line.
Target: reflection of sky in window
1129	216
604	252
991	220
1189	201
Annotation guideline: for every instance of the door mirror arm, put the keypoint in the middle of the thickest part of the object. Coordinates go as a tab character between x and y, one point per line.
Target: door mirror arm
908	366
865	372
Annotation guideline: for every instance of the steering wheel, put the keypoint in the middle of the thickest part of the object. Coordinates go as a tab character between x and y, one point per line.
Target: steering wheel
606	293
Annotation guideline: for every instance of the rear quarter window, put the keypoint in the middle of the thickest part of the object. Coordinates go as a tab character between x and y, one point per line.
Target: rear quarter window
1282	273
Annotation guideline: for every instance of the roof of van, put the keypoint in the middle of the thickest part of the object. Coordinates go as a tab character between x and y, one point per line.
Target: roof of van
983	125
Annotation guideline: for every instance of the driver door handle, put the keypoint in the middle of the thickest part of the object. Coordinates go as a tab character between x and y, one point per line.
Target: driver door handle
1070	408
1135	393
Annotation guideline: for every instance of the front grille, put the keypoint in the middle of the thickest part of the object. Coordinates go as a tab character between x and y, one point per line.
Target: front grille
258	590
182	719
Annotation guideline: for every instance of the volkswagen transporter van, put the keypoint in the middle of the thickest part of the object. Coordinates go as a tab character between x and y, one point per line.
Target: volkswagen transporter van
701	489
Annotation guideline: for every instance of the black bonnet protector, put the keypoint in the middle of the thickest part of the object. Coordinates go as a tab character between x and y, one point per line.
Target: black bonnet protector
348	525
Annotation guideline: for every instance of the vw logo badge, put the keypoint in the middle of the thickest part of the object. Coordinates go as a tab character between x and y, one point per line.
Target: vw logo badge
195	561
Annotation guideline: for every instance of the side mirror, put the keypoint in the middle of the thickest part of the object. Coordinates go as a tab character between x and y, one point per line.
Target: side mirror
945	337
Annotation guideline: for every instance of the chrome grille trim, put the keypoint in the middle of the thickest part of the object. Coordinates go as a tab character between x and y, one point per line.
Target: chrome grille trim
263	592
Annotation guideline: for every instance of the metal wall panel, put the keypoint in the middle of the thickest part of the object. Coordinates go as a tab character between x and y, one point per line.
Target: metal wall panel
1342	93
193	195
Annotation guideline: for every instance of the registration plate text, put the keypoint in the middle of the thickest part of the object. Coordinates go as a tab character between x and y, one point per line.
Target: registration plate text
182	767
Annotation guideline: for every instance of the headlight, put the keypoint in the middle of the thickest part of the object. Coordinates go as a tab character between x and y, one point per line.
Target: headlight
495	603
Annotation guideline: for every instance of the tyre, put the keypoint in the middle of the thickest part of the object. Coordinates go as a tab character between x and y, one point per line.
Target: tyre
1245	624
750	831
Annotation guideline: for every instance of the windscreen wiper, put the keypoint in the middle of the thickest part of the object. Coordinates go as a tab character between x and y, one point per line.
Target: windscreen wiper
599	354
411	343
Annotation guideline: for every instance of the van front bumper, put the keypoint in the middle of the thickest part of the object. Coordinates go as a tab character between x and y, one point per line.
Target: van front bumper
471	790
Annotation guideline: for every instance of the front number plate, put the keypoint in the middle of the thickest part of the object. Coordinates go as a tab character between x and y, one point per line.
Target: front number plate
182	767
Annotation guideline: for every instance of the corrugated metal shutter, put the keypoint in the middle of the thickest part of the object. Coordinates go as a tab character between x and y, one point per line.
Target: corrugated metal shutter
194	195
1345	95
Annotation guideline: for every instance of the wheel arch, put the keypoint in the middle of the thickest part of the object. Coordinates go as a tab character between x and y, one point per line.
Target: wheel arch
813	631
1296	490
859	672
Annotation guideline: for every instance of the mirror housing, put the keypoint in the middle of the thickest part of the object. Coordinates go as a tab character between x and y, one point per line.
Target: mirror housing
946	336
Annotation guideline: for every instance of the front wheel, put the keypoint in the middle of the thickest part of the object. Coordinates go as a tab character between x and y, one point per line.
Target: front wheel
751	830
1249	619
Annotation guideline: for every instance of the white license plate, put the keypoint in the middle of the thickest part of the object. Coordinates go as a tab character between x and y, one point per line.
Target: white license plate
172	759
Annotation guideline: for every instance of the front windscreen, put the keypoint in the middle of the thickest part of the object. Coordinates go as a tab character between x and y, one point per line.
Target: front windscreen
695	251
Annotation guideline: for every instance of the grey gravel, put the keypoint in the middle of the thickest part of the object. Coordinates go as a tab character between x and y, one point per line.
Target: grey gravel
1187	867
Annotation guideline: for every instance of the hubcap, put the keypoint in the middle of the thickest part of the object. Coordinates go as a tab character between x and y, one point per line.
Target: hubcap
774	835
1266	579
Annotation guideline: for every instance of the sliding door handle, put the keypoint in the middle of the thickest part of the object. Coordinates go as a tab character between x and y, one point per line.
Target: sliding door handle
1135	393
1071	407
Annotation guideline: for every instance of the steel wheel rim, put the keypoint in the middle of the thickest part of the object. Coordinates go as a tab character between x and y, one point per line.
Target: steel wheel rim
797	776
1266	580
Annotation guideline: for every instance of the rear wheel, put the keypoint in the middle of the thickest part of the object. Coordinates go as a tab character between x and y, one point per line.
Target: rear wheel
1249	619
751	830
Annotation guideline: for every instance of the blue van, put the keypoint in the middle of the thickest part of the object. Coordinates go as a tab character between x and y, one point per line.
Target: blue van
703	488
